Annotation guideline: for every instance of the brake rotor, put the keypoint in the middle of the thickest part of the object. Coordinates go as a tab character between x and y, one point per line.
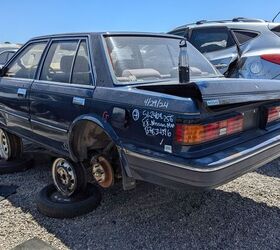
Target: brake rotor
102	171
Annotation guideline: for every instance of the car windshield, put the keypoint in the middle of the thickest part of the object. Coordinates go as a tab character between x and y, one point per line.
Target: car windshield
145	58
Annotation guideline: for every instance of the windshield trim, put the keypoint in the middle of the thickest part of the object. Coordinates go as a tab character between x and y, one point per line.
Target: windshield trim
112	72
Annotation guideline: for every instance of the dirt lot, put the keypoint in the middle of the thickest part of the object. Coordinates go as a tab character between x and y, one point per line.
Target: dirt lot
242	214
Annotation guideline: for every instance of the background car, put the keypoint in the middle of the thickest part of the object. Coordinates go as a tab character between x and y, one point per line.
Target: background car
241	47
6	55
7	50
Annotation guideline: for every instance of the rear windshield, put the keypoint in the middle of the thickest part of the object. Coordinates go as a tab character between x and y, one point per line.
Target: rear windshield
244	36
141	58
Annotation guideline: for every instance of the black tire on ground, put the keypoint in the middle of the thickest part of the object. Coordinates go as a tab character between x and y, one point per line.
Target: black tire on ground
16	146
52	204
18	165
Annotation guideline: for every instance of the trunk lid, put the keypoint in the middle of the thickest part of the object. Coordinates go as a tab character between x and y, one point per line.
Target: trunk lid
216	92
234	91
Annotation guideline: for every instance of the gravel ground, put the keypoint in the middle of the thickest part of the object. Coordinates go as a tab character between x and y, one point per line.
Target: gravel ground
242	214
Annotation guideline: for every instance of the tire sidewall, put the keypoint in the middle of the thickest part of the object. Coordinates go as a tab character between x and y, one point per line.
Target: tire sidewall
15	146
54	209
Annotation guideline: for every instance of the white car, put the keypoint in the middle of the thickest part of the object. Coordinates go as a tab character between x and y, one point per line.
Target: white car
6	55
241	47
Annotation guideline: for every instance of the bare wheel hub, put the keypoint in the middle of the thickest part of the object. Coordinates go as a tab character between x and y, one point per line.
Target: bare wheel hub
102	171
64	176
5	147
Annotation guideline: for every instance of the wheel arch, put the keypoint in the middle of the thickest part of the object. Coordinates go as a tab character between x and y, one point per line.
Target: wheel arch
75	133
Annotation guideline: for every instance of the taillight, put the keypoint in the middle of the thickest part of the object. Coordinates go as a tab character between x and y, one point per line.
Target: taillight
273	114
190	134
273	58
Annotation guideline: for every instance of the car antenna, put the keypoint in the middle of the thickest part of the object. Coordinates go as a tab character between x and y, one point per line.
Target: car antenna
184	72
275	17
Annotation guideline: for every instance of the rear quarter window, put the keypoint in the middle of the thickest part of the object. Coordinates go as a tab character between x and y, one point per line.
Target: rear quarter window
243	36
276	30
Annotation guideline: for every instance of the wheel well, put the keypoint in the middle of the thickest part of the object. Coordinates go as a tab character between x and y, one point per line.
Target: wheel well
87	137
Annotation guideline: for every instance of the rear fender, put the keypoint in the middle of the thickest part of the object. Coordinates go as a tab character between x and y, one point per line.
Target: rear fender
97	120
127	181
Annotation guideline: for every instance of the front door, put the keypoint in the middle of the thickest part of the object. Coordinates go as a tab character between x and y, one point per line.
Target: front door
61	92
15	87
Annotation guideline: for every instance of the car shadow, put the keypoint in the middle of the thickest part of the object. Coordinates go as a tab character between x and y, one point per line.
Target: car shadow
271	169
151	216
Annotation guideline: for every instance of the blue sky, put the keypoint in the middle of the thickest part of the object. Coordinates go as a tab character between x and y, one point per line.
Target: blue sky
21	20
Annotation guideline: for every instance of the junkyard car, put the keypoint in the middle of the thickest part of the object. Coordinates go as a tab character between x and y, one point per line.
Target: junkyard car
112	106
242	47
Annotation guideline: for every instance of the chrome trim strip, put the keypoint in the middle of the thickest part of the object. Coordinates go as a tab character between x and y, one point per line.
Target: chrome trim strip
84	86
275	141
14	79
49	126
16	115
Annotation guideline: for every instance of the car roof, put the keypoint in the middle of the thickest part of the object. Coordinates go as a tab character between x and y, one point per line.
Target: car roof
238	23
9	46
8	50
122	33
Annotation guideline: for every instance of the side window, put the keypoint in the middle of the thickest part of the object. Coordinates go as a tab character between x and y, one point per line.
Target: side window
244	36
3	57
81	70
26	63
59	60
10	55
211	39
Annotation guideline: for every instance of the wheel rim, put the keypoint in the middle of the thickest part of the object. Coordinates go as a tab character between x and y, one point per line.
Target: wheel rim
5	147
64	177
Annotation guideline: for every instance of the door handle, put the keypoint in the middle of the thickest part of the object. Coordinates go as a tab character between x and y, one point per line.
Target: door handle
79	101
21	92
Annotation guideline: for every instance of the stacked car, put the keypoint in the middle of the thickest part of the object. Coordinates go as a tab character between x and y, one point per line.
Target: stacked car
241	47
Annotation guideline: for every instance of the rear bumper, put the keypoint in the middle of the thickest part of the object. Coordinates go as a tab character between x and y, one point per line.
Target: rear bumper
207	172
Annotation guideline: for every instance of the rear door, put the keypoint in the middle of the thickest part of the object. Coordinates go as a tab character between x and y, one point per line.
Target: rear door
217	44
62	89
15	87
